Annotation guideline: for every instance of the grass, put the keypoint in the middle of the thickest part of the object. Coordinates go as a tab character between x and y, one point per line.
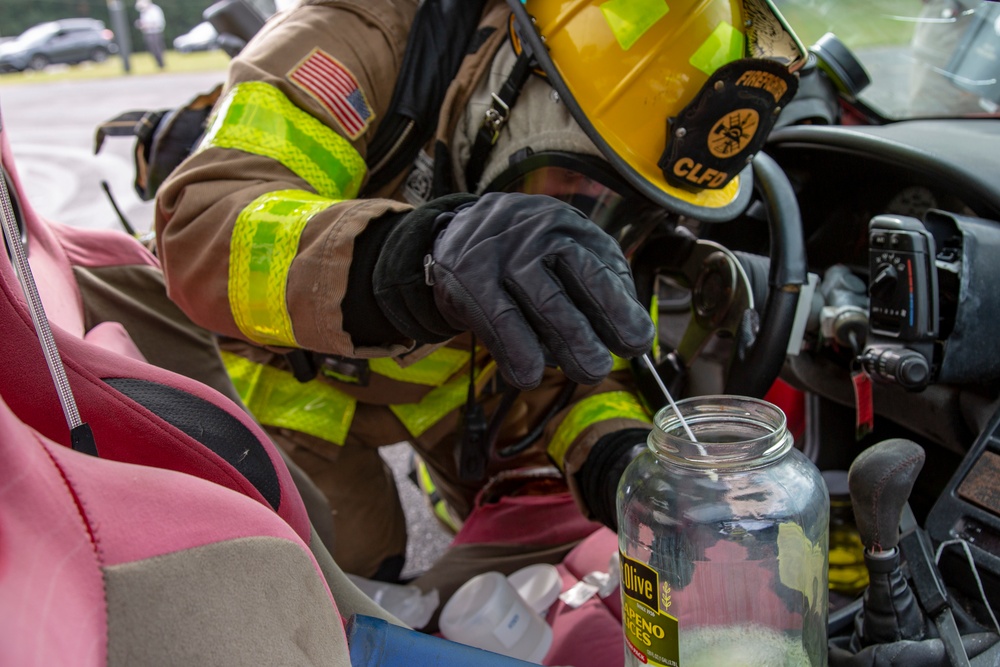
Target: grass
141	64
859	23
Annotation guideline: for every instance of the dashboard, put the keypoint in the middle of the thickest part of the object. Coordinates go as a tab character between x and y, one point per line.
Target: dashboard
945	173
844	176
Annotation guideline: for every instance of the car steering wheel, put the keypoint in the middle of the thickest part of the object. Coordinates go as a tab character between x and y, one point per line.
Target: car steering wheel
722	298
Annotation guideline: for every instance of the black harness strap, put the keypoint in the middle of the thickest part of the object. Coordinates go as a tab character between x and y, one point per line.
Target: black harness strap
496	117
440	37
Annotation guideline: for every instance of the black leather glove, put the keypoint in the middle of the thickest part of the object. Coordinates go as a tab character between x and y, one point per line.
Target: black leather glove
526	273
598	478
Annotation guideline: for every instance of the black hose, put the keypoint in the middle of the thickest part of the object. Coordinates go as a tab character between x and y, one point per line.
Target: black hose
757	268
561	401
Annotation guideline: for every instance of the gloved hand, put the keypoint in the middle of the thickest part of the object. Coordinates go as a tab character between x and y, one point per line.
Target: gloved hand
599	476
526	273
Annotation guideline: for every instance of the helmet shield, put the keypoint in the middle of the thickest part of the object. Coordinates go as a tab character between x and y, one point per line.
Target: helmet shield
590	185
634	72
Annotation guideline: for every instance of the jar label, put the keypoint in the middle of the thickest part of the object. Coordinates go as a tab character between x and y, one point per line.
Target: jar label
650	632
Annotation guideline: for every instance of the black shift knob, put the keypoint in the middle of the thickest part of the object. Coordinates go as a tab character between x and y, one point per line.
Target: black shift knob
880	481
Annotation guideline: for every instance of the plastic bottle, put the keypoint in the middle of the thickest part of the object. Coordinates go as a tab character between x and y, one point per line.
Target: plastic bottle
405	601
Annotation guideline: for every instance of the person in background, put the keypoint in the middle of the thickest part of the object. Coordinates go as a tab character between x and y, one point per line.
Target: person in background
151	24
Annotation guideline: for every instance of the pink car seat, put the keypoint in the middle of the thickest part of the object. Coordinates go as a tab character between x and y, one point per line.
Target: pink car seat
184	541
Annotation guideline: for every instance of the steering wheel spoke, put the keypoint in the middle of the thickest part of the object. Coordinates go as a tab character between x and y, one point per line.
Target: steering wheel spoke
720	294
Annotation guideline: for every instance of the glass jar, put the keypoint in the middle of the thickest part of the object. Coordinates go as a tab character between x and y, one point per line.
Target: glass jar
723	541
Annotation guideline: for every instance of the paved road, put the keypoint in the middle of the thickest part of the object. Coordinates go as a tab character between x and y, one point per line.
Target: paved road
51	127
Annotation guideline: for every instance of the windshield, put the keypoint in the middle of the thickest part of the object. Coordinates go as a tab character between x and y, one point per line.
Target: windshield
924	57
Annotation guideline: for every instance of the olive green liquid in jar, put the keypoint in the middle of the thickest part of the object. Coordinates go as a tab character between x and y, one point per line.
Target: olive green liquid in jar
723	541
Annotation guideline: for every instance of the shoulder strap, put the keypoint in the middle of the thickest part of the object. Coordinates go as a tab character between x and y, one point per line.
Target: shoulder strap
439	39
496	117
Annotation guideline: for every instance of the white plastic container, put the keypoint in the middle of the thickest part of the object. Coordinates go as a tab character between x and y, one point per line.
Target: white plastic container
487	612
539	585
406	602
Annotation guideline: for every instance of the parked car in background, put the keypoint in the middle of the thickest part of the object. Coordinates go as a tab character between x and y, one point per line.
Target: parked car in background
202	37
64	41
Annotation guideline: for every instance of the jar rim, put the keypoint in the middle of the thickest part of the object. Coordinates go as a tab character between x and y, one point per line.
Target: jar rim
721	419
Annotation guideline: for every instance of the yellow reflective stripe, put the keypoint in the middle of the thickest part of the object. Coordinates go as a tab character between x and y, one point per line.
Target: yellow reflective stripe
433	370
258	118
654	314
724	45
264	242
424	479
439	506
277	399
432	408
597	408
618	363
630	19
441	512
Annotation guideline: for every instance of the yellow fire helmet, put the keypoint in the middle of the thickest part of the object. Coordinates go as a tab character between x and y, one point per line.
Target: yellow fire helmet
679	95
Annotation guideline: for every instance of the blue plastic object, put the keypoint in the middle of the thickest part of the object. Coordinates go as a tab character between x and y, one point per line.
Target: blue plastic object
377	643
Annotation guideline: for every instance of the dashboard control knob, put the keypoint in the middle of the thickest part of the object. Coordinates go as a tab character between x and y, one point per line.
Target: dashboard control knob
913	370
902	366
885	280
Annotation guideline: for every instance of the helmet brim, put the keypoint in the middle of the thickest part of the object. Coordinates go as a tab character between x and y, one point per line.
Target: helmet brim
641	171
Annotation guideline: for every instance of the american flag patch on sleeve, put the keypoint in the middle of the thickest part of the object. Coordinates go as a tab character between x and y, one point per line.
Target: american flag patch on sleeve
332	85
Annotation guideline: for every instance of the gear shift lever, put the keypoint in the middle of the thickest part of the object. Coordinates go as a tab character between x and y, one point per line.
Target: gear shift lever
880	481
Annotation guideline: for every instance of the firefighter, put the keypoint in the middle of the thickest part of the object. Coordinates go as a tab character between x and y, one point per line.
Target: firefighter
471	297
